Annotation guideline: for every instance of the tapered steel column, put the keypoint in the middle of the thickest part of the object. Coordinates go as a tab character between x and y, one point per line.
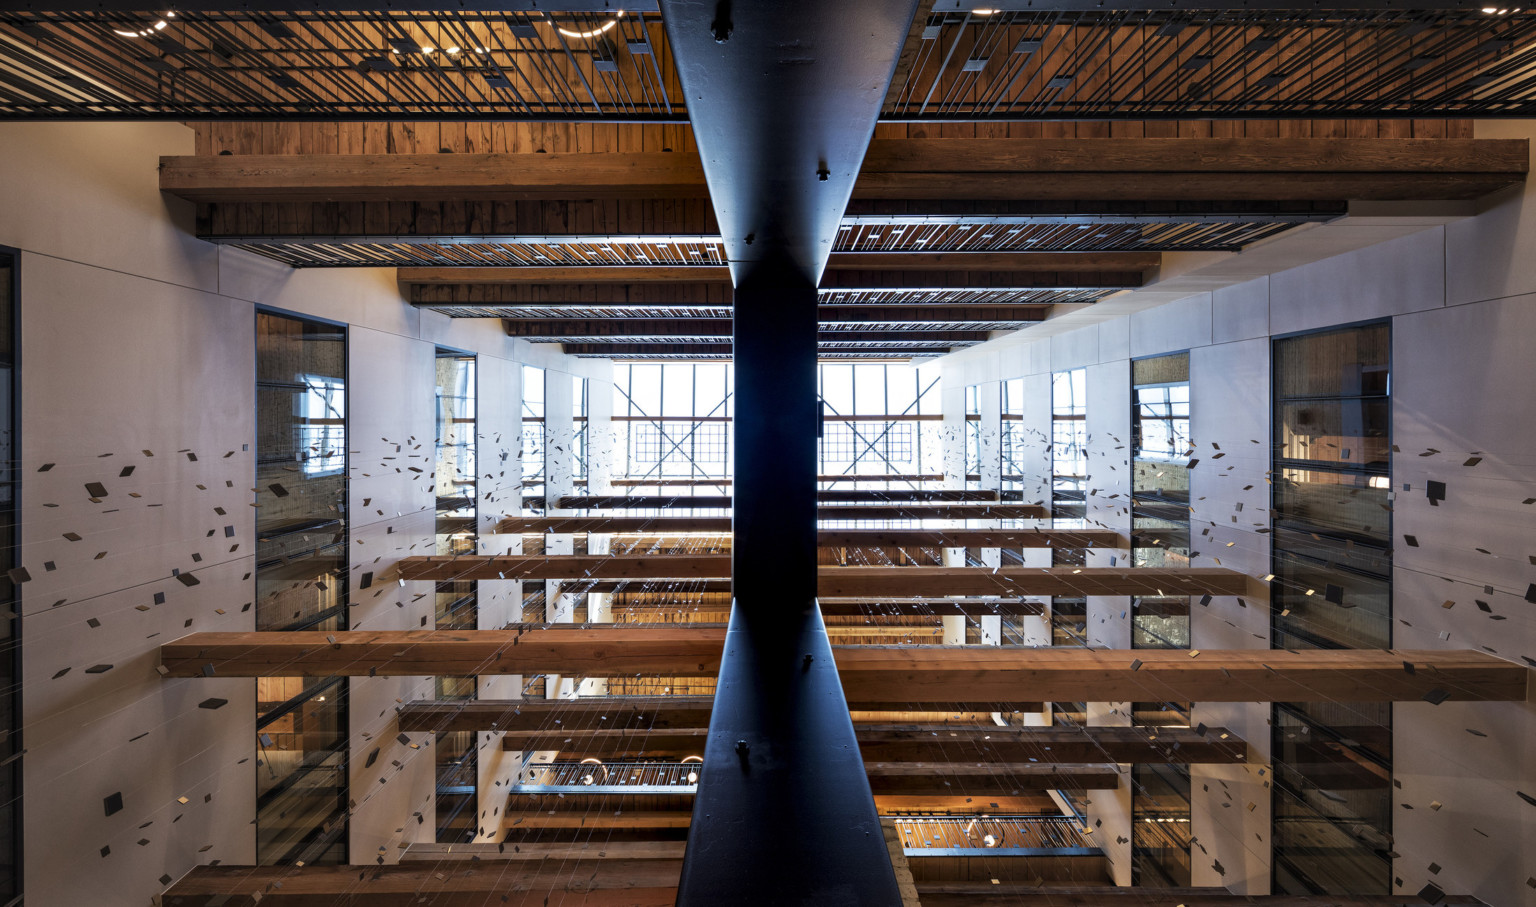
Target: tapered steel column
783	97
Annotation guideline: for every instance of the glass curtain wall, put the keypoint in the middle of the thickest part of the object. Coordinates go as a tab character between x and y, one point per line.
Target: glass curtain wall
1332	566
580	436
531	455
672	427
454	481
301	584
1012	441
1069	510
883	426
10	625
1160	525
973	436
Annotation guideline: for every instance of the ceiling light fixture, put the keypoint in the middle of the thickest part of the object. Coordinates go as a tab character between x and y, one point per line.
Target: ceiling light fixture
145	33
591	33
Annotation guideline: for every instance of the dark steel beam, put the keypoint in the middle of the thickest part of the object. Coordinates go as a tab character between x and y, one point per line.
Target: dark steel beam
783	99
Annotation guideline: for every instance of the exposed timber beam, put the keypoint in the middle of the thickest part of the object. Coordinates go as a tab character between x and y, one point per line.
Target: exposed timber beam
840	582
622	524
592	882
600	331
844	270
1033	894
828	351
431	852
977	746
980	778
851	538
917	510
598	712
826	314
919	330
1275	169
873	676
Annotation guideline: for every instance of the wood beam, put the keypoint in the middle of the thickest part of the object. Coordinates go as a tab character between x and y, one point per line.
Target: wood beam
432	177
591	882
534	851
827	538
670	525
991	673
872	676
846	269
598	331
975	745
597	712
1276	169
568	566
916	510
980	778
623	328
841	582
1032	894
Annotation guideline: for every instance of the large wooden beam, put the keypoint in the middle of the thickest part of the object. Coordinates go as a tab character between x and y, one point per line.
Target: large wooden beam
1031	894
972	745
1040	169
598	712
873	676
598	331
589	882
981	778
917	510
991	673
569	566
842	582
622	328
828	538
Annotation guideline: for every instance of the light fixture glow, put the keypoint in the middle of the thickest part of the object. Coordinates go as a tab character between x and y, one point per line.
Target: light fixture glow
982	12
426	49
592	33
453	50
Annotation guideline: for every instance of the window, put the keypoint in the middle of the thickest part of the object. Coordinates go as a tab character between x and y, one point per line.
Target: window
321	424
1069	445
532	453
973	436
579	433
672	420
1013	439
1160	493
454	478
301	584
1332	588
1160	826
881	421
10	625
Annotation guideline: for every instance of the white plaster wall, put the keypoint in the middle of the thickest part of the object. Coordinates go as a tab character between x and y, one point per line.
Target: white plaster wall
138	337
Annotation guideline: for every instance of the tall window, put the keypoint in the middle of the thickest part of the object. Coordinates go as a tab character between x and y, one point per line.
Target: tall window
580	437
973	436
1013	434
1160	493
882	423
672	424
454	480
1332	567
301	584
1069	510
532	454
10	625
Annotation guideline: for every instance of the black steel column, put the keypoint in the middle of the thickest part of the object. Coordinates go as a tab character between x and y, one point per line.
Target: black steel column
783	97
